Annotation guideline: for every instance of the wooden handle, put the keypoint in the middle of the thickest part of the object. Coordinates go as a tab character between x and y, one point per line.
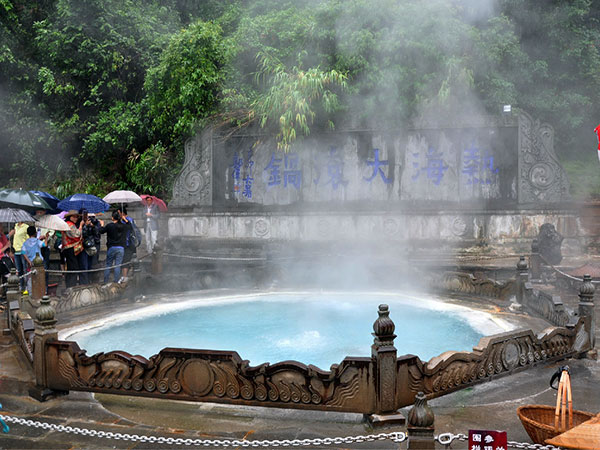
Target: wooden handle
564	404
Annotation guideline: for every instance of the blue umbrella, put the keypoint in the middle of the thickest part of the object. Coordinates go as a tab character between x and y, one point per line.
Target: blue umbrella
89	202
50	199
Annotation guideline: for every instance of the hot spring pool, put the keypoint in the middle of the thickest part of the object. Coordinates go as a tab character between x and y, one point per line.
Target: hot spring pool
313	328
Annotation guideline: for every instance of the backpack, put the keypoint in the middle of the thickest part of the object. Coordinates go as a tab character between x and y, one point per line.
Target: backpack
135	237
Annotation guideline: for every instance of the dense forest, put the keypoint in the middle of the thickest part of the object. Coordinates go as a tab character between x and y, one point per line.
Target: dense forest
99	95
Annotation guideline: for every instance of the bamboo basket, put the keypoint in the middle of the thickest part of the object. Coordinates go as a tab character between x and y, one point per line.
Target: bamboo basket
545	422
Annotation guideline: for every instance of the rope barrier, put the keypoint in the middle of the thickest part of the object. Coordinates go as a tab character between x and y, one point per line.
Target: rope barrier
100	269
564	274
214	258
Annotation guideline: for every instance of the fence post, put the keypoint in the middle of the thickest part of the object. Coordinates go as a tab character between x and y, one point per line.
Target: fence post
38	279
586	310
157	255
535	261
383	354
420	425
522	277
13	293
45	331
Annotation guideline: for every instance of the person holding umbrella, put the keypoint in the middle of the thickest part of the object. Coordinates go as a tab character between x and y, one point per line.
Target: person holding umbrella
72	246
19	234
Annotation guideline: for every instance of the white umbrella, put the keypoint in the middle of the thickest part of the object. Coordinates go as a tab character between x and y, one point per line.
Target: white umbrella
52	222
14	215
122	197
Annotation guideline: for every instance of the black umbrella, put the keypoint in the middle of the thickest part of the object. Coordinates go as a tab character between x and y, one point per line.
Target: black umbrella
22	199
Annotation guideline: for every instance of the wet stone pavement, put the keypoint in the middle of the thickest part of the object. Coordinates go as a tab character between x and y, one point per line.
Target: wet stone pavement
491	405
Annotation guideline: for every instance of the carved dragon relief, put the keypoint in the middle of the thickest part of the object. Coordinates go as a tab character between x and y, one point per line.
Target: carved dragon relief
541	176
494	355
204	375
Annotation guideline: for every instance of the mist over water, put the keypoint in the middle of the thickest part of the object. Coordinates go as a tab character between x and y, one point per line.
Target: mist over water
319	329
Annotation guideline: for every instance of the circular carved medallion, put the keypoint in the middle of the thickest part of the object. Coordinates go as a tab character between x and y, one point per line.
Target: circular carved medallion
458	227
541	175
197	377
390	227
193	181
510	356
261	227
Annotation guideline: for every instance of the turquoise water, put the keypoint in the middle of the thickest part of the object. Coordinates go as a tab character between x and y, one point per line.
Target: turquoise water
319	329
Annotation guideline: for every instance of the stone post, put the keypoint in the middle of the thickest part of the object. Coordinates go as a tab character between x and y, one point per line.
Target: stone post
45	331
522	277
420	425
535	261
157	256
38	279
13	294
383	354
586	310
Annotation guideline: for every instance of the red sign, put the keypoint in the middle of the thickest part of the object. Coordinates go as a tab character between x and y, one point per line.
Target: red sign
487	440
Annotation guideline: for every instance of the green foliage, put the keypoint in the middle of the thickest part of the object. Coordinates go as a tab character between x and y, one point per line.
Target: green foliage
292	98
152	172
183	88
110	89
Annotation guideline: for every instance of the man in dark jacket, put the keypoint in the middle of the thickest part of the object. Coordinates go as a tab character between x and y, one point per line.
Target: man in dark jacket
116	234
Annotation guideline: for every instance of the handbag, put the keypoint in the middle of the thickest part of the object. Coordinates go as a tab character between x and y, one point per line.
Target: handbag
88	242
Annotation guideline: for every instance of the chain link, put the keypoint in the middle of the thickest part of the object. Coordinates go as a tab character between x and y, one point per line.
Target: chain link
447	438
396	437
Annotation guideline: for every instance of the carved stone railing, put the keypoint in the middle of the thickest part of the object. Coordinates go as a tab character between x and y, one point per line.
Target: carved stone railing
466	283
213	376
81	296
378	385
547	306
496	355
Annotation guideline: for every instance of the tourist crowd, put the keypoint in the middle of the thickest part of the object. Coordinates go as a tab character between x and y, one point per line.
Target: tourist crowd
77	249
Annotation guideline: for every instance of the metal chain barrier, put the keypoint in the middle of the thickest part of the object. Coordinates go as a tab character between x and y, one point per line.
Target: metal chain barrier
28	274
447	438
397	437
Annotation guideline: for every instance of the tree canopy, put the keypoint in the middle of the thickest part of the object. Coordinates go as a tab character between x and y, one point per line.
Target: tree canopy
101	95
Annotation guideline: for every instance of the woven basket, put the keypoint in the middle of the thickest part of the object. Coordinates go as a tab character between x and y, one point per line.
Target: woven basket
538	421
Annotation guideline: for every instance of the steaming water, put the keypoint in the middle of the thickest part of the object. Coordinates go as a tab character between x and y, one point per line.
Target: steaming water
319	329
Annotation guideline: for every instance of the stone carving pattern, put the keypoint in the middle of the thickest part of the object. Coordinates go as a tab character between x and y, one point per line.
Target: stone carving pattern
78	297
499	354
212	376
545	305
193	186
24	337
541	177
468	284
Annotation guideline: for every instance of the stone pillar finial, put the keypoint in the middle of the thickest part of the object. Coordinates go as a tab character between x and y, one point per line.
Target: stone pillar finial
384	327
420	425
420	415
